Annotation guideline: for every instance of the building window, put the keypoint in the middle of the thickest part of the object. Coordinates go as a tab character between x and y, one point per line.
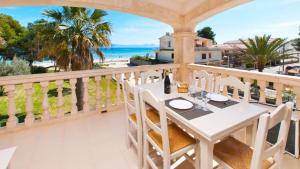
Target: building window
203	55
209	55
172	56
169	44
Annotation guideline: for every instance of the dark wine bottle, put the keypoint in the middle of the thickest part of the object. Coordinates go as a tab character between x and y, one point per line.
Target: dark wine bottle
167	84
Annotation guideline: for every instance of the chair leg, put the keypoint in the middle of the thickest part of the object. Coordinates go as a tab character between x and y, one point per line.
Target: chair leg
146	153
166	162
140	150
127	136
297	141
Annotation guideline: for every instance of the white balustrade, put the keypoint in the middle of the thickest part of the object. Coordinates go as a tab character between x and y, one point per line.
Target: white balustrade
46	114
29	105
45	80
74	109
12	119
60	100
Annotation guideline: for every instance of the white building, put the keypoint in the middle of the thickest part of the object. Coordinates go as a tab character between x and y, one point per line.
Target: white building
206	52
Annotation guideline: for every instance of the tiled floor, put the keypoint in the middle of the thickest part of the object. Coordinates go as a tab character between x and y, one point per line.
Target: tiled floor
94	142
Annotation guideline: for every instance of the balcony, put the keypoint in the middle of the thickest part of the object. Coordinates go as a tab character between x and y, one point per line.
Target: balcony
58	135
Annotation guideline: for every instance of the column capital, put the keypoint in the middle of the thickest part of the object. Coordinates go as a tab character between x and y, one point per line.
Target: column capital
184	34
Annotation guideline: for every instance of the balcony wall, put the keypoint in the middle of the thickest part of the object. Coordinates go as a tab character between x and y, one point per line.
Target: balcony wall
32	100
272	89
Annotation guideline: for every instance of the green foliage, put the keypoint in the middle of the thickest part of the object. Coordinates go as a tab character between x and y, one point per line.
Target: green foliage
11	33
38	70
206	32
100	66
17	67
261	50
296	44
83	31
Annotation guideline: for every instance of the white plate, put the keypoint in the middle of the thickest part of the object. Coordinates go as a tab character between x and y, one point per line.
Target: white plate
217	97
181	104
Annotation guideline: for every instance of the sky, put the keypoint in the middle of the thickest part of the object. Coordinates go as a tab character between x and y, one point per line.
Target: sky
279	18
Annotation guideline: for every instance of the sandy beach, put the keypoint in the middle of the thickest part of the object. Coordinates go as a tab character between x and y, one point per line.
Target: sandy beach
111	63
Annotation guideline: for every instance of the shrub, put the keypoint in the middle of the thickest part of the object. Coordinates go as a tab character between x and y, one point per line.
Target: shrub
17	67
38	69
100	66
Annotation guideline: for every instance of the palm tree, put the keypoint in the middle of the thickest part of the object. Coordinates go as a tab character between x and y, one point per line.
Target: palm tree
261	50
84	32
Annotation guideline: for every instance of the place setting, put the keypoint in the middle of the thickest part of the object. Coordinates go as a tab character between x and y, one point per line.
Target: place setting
186	108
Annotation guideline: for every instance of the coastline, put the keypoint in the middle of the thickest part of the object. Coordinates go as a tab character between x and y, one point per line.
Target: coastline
115	62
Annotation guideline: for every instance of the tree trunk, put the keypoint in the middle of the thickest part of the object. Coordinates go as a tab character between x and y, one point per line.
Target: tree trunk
260	67
79	93
283	63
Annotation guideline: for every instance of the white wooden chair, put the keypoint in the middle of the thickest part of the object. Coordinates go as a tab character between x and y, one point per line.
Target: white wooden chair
237	84
202	80
168	139
231	153
6	156
134	129
151	75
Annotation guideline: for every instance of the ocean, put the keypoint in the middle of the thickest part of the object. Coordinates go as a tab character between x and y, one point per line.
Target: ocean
114	53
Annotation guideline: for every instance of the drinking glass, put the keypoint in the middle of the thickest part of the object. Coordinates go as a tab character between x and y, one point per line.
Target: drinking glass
205	100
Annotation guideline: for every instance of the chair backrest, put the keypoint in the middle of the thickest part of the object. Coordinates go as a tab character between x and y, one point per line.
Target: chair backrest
202	80
237	84
147	98
150	76
282	115
131	100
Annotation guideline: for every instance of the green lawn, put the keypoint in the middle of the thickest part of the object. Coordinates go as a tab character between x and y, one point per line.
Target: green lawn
37	98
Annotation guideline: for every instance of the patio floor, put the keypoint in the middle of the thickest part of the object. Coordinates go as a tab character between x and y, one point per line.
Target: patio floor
96	141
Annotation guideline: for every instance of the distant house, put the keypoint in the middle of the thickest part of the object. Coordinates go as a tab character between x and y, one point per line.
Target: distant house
234	46
205	51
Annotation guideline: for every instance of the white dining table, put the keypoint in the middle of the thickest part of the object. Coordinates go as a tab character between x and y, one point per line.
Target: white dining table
210	128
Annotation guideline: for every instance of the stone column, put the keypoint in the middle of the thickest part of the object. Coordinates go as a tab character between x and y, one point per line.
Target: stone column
184	53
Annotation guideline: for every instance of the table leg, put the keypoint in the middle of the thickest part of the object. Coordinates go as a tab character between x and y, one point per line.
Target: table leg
197	155
206	154
250	133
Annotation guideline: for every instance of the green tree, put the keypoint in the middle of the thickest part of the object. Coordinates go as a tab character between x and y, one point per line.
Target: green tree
296	43
261	50
206	32
2	41
84	31
11	33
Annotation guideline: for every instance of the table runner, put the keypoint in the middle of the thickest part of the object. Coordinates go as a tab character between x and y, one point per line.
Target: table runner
189	114
220	105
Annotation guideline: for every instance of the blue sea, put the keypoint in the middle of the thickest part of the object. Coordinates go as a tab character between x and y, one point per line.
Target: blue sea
127	52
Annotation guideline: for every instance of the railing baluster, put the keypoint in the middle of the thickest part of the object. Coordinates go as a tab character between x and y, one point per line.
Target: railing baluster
262	95
74	109
279	89
118	100
98	97
108	92
296	90
85	94
127	75
137	76
46	115
12	119
29	114
60	98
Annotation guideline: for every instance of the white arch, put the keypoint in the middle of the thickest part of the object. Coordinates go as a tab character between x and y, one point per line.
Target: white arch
182	15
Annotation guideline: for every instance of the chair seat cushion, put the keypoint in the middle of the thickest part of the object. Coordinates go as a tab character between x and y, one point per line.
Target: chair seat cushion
151	113
237	154
178	139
